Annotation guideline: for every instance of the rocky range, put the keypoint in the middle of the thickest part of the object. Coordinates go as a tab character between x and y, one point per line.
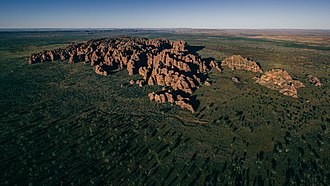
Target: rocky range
173	65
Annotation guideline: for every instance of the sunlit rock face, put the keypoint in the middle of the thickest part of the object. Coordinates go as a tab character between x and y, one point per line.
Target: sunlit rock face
280	80
158	61
238	62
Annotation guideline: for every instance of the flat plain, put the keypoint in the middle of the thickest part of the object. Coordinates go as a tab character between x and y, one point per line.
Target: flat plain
63	124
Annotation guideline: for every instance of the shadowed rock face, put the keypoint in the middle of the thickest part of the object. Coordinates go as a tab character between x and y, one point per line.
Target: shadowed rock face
280	80
158	61
238	62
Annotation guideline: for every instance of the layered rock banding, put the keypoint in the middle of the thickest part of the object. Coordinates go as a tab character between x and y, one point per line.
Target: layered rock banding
238	62
158	61
314	80
280	80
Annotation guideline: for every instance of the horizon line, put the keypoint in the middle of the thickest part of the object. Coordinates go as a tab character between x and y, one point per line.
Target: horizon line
153	28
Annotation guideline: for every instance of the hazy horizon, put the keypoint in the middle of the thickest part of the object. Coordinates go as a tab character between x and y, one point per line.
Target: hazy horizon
151	28
128	14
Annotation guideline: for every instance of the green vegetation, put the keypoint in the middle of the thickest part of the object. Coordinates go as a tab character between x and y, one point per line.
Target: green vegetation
62	123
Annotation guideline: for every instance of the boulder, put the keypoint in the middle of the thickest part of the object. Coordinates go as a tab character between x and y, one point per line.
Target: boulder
207	83
235	79
151	96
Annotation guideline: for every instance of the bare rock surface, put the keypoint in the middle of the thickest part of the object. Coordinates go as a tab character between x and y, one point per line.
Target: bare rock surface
280	80
238	62
314	80
235	80
171	65
157	61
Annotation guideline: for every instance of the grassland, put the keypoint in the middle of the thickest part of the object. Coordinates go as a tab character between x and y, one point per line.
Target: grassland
63	124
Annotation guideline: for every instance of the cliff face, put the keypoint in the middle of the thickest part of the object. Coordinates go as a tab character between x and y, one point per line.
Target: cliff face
158	61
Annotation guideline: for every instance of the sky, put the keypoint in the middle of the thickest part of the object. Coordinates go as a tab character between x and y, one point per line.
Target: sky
212	14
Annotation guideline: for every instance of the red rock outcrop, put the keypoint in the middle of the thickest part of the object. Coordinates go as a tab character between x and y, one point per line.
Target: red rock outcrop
280	80
314	80
99	70
164	63
207	83
132	82
215	65
235	80
179	45
238	62
162	96
172	97
158	61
